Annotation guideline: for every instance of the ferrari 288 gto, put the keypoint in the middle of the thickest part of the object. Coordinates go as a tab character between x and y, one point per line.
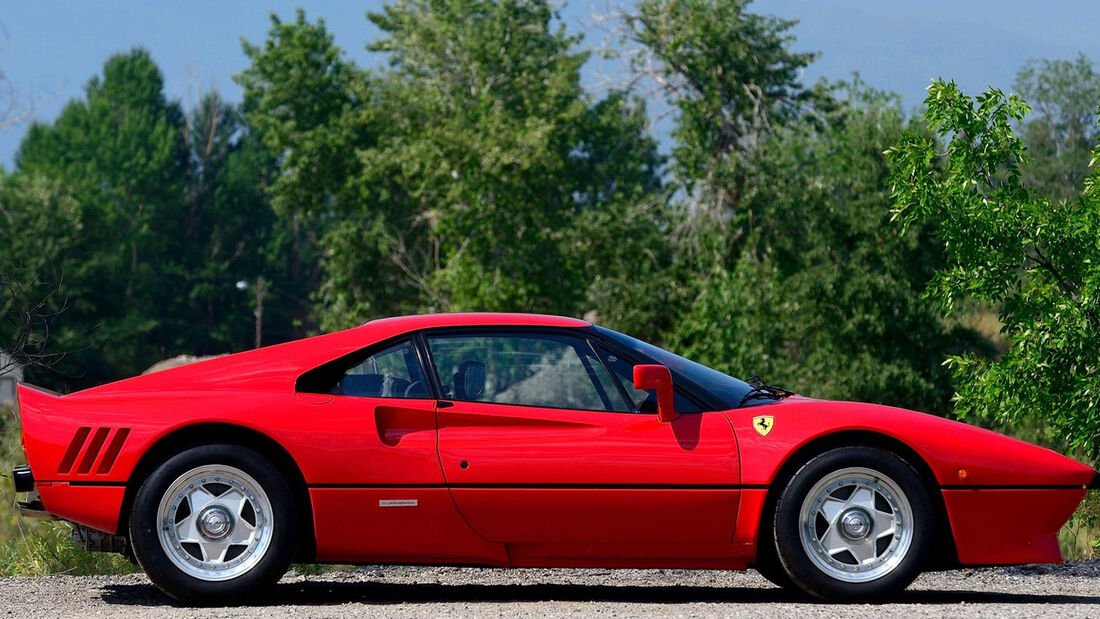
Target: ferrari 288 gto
516	440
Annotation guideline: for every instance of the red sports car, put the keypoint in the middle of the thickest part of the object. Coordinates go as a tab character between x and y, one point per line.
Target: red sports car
520	440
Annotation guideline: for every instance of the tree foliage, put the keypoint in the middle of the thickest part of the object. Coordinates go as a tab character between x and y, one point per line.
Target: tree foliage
39	226
467	168
813	289
733	79
164	213
1060	131
792	273
1033	257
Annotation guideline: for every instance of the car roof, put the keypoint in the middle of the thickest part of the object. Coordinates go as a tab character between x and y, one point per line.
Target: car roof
285	362
475	319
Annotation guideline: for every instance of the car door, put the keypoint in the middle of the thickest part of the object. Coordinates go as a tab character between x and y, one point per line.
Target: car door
539	446
378	493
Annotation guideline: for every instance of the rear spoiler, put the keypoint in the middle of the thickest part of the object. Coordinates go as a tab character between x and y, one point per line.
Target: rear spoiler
31	387
30	399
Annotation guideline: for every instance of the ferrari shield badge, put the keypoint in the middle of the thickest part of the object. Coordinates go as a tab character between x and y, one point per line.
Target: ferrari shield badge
763	424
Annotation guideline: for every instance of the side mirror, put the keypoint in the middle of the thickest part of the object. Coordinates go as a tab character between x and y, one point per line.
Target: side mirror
658	377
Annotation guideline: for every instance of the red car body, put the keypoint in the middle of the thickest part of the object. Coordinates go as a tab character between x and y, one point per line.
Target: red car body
443	481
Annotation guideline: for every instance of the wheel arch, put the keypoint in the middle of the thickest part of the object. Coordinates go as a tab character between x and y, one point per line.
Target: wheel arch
945	555
199	434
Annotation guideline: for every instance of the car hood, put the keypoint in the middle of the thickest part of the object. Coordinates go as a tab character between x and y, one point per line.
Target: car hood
959	454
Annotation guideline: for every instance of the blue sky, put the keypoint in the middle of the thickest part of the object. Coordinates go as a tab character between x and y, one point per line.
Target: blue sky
54	47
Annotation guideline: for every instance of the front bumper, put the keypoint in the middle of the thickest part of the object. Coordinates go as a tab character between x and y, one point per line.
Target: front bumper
1007	526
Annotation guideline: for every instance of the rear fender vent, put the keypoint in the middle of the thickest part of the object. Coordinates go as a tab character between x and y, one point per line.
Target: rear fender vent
87	446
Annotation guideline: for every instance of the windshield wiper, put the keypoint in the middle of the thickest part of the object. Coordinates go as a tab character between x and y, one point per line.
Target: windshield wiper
761	390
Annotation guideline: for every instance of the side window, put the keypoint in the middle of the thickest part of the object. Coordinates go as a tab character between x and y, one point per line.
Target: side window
641	401
525	369
390	373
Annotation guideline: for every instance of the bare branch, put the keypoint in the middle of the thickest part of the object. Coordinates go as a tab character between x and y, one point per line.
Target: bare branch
28	308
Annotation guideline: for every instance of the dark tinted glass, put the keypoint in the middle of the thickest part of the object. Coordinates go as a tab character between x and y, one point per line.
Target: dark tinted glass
727	389
643	401
390	373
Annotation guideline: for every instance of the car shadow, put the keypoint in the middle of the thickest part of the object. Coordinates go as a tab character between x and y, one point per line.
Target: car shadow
322	593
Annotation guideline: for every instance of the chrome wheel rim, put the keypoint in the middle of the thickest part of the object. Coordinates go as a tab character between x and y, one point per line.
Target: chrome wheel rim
856	525
215	522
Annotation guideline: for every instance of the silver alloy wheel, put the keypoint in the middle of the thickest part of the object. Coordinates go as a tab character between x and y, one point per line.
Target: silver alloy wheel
856	525
215	522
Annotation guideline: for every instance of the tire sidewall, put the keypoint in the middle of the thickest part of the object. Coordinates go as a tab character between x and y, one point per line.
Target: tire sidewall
144	519
788	543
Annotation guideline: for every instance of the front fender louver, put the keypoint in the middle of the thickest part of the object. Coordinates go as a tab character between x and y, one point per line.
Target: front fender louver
87	451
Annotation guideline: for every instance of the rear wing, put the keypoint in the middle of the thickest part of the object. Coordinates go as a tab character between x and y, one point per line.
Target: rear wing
29	387
30	397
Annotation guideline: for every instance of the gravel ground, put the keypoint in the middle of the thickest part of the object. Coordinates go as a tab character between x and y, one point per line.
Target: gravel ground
1071	590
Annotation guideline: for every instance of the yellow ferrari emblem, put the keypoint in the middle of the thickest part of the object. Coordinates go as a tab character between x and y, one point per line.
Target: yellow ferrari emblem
763	424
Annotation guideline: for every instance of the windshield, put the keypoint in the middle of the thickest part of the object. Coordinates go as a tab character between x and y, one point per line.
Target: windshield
724	387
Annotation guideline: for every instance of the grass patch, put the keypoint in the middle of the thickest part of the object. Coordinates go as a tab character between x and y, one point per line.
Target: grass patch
1080	538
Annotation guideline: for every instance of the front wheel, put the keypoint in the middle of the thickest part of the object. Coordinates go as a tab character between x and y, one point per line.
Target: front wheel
214	523
854	523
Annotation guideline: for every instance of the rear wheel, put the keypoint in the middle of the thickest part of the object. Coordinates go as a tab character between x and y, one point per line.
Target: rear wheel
854	523
214	523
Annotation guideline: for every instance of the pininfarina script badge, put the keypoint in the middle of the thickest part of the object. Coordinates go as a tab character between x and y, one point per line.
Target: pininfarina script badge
763	424
397	503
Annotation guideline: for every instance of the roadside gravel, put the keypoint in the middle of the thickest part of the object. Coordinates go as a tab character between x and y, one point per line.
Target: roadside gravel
1071	590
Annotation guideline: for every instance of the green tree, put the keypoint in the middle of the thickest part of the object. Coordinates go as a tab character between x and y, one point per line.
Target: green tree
463	174
302	99
39	228
821	295
732	77
226	233
1030	256
121	154
171	213
1060	132
792	273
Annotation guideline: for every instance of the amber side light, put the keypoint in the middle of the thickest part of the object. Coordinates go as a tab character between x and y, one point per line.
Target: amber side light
962	473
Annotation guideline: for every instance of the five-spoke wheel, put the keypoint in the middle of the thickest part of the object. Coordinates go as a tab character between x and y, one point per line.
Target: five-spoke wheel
853	523
214	522
856	525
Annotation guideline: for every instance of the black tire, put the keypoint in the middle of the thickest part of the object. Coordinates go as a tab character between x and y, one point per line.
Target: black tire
265	564
892	562
768	565
774	573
